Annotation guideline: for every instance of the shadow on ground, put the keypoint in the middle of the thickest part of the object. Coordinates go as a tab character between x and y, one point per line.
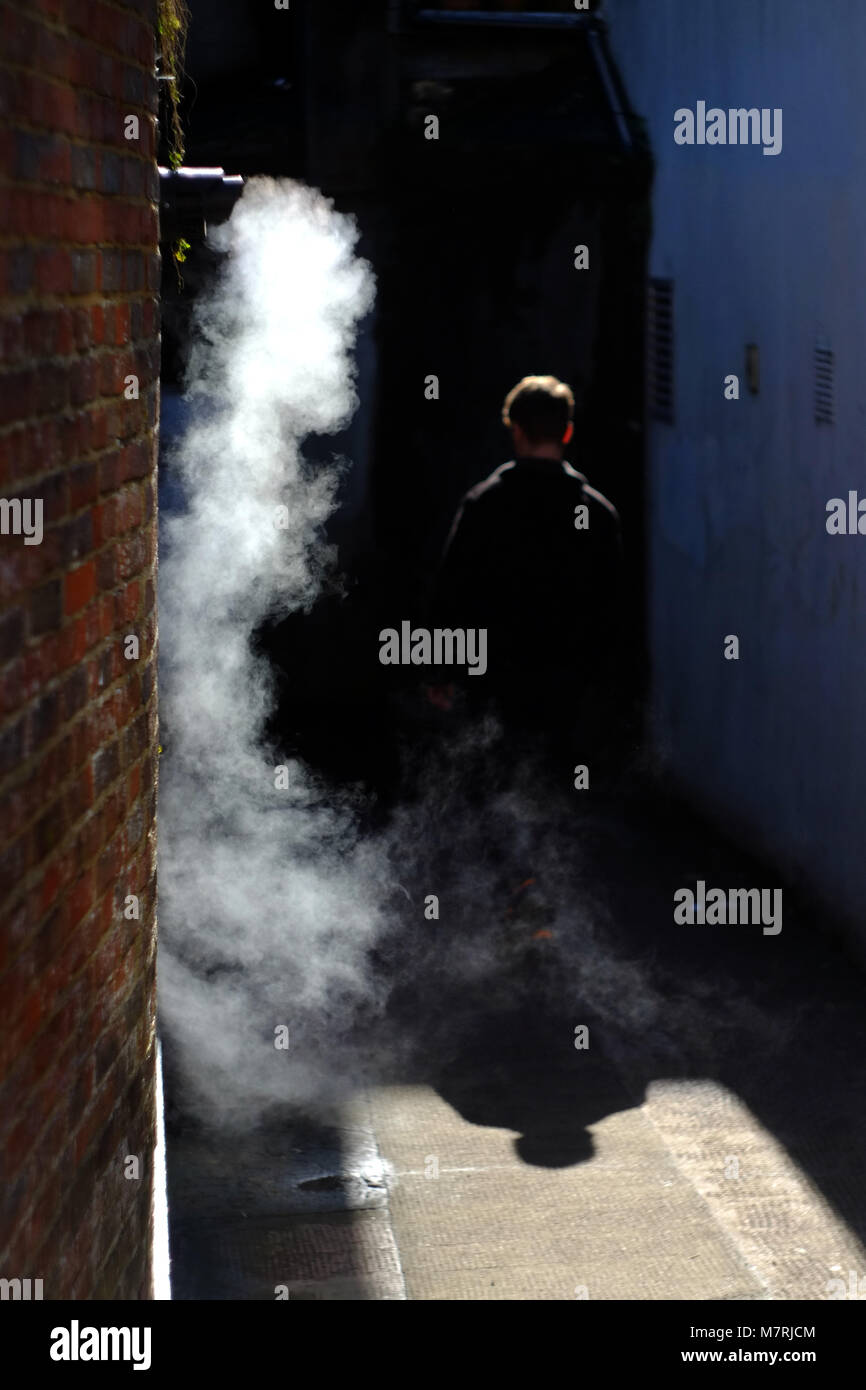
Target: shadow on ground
555	915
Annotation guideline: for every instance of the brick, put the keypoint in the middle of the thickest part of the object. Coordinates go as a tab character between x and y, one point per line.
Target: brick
13	746
45	717
136	460
134	270
135	829
135	740
13	569
97	1118
106	568
46	607
12	339
79	898
12	629
113	170
17	392
152	185
110	864
16	213
48	832
77	538
122	325
148	682
73	643
15	860
98	427
41	158
153	271
106	767
19	270
84	167
134	86
134	178
50	388
83	381
111	280
113	367
83	486
69	436
98	314
85	220
80	322
12	688
54	272
131	556
54	491
133	784
84	271
126	606
74	693
80	587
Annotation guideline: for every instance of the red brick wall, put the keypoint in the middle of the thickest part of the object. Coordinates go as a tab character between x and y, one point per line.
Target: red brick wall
78	314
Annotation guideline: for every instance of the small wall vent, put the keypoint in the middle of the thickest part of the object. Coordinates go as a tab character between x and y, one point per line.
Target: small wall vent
660	350
825	385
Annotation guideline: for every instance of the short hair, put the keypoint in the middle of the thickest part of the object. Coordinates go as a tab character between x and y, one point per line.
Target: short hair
543	407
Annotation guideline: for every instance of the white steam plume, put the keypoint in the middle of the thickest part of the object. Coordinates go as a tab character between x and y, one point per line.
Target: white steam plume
268	902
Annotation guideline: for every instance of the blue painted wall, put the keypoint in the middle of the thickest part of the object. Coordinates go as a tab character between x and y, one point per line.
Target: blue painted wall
770	250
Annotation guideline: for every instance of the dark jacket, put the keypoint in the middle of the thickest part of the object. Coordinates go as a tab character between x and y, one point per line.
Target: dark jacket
547	591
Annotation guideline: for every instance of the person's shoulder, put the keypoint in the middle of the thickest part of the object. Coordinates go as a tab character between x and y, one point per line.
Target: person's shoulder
593	497
489	484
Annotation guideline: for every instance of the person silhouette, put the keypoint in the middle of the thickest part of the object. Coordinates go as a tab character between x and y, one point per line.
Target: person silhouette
534	556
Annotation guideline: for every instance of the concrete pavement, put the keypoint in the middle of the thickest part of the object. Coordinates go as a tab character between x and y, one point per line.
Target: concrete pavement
708	1144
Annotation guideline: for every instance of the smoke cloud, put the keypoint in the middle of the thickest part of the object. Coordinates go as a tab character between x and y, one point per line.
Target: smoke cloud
268	900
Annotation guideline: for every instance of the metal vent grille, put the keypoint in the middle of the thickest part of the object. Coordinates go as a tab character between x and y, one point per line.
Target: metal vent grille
825	382
660	356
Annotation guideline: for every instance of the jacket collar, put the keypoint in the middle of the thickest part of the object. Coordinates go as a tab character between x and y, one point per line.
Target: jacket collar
551	466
